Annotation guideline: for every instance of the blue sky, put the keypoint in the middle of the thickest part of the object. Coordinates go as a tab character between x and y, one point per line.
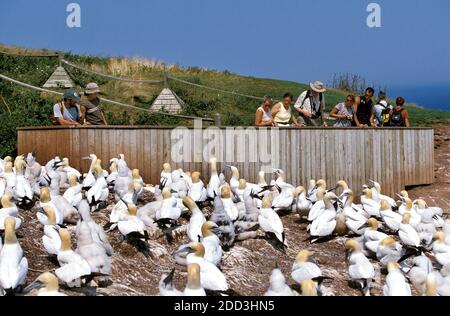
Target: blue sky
300	40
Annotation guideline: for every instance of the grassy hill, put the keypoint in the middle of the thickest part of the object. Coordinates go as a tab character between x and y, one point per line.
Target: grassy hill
23	107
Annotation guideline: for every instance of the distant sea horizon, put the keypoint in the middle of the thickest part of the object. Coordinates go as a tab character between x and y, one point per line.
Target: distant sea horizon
434	97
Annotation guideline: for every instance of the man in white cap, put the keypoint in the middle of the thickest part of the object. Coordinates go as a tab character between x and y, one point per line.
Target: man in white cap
311	105
90	106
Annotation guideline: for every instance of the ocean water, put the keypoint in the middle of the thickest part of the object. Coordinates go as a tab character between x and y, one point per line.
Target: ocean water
436	97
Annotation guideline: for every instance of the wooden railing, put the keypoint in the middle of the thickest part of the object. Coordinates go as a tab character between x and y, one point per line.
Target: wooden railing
394	157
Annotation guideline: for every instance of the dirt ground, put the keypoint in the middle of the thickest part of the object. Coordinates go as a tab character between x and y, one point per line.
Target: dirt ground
248	265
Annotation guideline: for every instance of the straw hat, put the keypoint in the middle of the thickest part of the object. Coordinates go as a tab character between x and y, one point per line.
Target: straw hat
318	86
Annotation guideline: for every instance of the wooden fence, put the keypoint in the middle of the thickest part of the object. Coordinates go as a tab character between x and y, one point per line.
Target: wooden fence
394	157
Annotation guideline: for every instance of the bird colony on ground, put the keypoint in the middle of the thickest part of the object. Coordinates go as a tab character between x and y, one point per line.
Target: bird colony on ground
410	240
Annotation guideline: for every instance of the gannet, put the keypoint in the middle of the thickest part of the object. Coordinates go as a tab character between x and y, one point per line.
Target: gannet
360	270
194	228
270	222
113	173
319	206
51	239
422	267
325	224
228	203
211	278
378	197
303	206
408	235
73	194
308	288
371	207
440	249
213	249
372	237
13	265
169	209
389	250
99	191
194	286
390	218
197	190
166	174
234	181
284	201
429	215
303	269
396	284
47	284
45	201
72	266
9	175
23	192
354	217
133	230
89	179
166	286
214	181
179	185
9	210
219	216
319	185
407	207
277	285
2	185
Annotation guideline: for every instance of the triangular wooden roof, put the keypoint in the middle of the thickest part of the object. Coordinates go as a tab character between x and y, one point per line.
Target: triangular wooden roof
59	79
168	100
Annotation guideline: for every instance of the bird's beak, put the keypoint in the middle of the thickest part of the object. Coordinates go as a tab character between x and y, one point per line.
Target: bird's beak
86	158
333	189
34	285
364	226
173	191
185	250
216	230
41	210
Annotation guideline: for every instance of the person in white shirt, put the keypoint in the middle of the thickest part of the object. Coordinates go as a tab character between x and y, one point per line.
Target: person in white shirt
311	105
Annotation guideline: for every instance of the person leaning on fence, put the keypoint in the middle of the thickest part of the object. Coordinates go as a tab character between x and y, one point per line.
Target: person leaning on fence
67	112
399	115
343	112
90	106
264	113
381	111
364	109
282	112
311	105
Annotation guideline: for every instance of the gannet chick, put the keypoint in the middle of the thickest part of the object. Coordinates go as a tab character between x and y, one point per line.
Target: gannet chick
219	216
13	265
278	286
123	179
166	286
360	270
396	284
193	286
47	284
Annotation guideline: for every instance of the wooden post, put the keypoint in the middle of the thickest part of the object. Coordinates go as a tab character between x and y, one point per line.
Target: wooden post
218	119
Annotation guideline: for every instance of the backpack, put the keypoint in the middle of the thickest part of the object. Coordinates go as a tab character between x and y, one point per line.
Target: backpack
309	97
397	118
385	114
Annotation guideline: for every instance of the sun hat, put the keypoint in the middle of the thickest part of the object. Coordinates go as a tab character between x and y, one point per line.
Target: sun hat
71	95
318	86
92	88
